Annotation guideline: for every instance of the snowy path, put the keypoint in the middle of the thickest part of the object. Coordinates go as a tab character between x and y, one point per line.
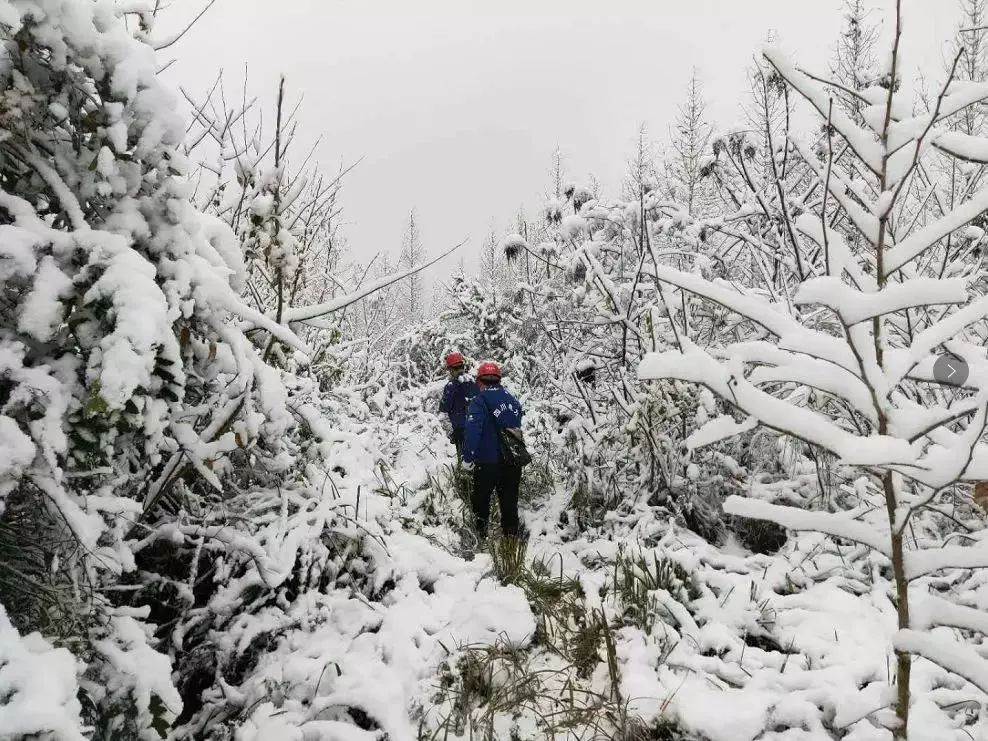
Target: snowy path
639	628
374	661
784	647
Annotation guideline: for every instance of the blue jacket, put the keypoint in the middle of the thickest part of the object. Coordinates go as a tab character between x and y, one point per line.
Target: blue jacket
493	406
456	397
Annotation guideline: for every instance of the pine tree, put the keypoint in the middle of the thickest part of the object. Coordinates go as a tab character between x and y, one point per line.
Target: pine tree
641	174
494	270
412	254
690	140
557	174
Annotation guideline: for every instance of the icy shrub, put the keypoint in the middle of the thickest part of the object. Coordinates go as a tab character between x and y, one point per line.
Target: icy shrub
537	485
416	357
154	467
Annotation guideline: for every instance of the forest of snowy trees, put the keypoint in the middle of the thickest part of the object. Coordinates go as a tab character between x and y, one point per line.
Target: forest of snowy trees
228	508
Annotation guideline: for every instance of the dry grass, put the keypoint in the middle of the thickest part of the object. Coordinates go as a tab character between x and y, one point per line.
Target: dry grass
487	688
484	692
637	575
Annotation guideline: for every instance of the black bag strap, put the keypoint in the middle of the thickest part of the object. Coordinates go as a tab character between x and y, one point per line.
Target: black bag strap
498	430
490	412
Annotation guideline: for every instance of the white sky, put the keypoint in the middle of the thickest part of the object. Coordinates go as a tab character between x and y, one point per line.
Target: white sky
457	105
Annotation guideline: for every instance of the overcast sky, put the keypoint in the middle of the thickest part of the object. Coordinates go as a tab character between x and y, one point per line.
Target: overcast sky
457	105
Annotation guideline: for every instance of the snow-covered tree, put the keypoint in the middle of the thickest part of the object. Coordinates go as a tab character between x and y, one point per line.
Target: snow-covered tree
689	144
412	254
854	66
971	43
496	272
557	174
158	453
959	179
642	175
123	368
838	350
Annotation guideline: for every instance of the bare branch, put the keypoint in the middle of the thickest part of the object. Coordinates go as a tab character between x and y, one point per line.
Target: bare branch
174	39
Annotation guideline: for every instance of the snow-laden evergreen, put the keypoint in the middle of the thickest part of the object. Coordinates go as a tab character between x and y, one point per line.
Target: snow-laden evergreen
162	480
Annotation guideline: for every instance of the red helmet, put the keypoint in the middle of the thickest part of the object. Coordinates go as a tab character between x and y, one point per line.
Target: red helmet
454	359
489	370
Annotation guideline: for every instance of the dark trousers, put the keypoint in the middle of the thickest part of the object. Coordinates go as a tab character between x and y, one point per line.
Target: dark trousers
456	437
505	480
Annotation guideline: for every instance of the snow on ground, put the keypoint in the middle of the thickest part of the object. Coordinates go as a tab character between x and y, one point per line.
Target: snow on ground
377	657
718	644
755	656
771	648
351	668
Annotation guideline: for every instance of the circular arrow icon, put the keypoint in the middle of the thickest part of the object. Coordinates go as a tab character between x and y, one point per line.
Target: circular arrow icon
950	369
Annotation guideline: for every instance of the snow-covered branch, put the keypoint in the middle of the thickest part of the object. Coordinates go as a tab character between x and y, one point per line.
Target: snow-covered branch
926	562
953	657
696	366
918	242
307	313
837	526
864	143
933	611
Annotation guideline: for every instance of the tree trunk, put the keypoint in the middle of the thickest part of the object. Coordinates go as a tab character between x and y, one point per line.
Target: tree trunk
903	660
